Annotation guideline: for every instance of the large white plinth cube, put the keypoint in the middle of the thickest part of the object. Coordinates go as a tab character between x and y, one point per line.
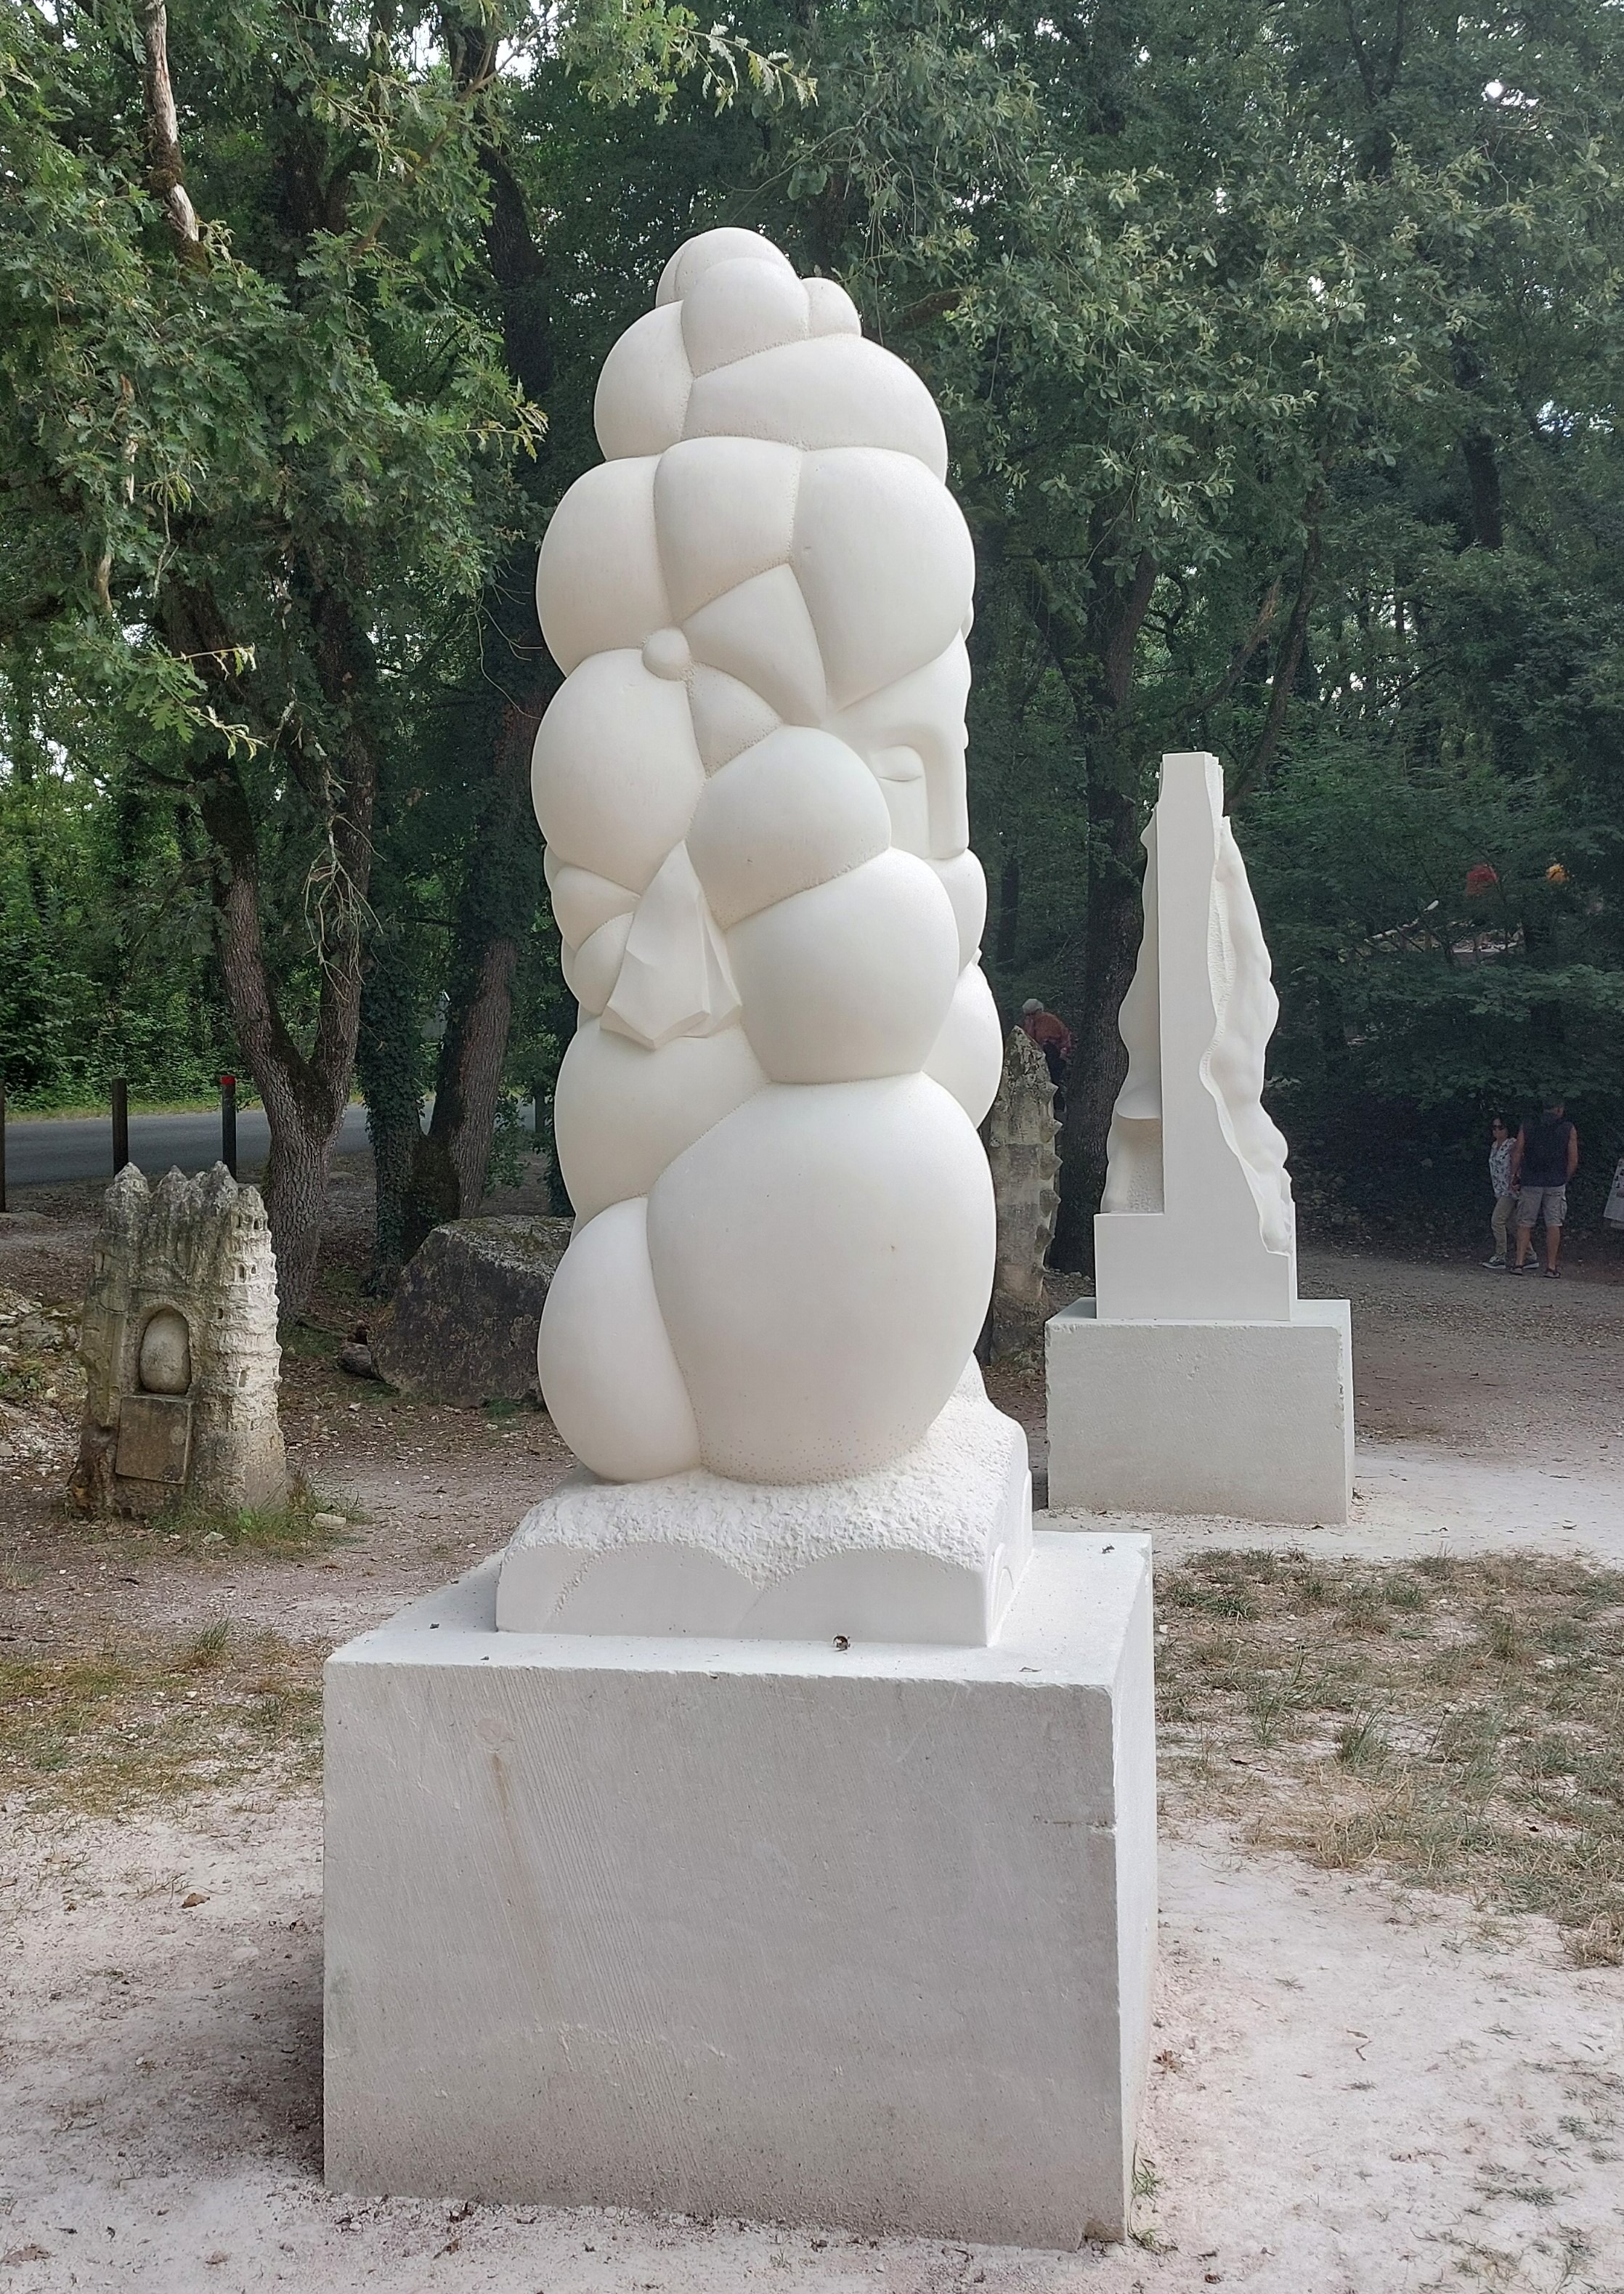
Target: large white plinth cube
862	1937
1251	1419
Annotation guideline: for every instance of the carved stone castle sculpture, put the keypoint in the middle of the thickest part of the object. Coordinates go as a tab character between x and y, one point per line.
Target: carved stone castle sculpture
179	1342
751	786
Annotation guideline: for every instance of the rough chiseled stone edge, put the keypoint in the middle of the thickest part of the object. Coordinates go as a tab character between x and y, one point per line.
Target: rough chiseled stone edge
943	1498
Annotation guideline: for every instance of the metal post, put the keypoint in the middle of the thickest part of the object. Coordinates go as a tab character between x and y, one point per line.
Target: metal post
228	1123
121	1124
2	1147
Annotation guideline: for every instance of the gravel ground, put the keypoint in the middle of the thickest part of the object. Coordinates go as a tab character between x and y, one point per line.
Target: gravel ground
1353	2093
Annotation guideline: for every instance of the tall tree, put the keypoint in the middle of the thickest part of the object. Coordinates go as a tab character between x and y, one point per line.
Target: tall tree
262	444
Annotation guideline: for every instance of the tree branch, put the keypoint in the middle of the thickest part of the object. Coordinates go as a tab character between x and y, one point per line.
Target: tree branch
1232	676
167	176
1289	661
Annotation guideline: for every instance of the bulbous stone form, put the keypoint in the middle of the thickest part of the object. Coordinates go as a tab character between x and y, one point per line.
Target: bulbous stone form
164	1365
752	784
179	1344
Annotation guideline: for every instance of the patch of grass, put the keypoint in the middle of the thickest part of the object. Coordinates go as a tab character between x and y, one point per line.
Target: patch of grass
1479	1747
26	1379
1360	1744
286	1532
205	1650
140	1723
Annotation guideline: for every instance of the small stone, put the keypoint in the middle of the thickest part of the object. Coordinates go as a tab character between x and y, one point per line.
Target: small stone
328	1523
190	1903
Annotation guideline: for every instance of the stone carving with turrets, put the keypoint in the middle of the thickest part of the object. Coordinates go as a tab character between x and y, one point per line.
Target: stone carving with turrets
179	1345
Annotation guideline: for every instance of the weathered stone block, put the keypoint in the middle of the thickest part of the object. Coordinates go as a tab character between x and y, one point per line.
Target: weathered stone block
462	1326
154	1439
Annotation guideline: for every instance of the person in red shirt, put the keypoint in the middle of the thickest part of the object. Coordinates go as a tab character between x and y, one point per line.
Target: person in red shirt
1051	1035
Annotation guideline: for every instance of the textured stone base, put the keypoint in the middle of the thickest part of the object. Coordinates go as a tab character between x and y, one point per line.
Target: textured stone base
931	1548
750	1928
1254	1420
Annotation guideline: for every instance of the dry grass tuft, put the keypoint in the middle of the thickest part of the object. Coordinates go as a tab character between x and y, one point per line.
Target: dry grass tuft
1455	1724
286	1532
143	1722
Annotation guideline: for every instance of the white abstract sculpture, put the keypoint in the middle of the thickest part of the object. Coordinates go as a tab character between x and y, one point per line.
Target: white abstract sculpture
751	786
1197	1221
1195	1379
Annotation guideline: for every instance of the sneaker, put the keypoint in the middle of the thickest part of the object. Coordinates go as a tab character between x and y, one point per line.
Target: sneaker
1494	1262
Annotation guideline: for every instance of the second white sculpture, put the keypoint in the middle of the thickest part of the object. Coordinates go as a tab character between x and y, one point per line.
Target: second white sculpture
1196	1380
751	786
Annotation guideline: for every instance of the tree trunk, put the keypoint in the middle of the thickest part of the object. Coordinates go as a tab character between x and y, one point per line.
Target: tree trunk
1111	938
500	892
305	1099
1095	658
295	1191
1009	912
305	1096
1283	685
388	1052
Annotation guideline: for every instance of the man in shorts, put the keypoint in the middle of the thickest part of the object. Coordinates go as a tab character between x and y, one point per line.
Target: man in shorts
1544	1158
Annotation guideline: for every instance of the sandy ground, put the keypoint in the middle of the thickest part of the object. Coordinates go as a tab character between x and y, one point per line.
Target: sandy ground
1353	2092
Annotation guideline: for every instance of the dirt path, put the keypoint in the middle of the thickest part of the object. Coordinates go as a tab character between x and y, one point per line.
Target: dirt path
1354	2093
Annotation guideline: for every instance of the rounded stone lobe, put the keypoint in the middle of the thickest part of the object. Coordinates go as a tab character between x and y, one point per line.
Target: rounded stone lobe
165	1361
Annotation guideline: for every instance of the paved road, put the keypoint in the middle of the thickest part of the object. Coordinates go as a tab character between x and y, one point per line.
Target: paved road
81	1147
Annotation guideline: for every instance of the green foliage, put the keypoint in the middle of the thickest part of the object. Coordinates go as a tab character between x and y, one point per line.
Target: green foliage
105	925
1279	351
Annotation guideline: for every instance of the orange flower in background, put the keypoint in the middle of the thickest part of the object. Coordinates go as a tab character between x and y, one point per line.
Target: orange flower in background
1555	873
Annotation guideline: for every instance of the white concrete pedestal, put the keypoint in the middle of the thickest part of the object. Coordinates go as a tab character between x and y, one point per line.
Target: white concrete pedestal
861	1937
1249	1419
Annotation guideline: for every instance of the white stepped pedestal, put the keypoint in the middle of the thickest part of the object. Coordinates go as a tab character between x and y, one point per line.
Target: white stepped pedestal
1252	1419
771	1929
